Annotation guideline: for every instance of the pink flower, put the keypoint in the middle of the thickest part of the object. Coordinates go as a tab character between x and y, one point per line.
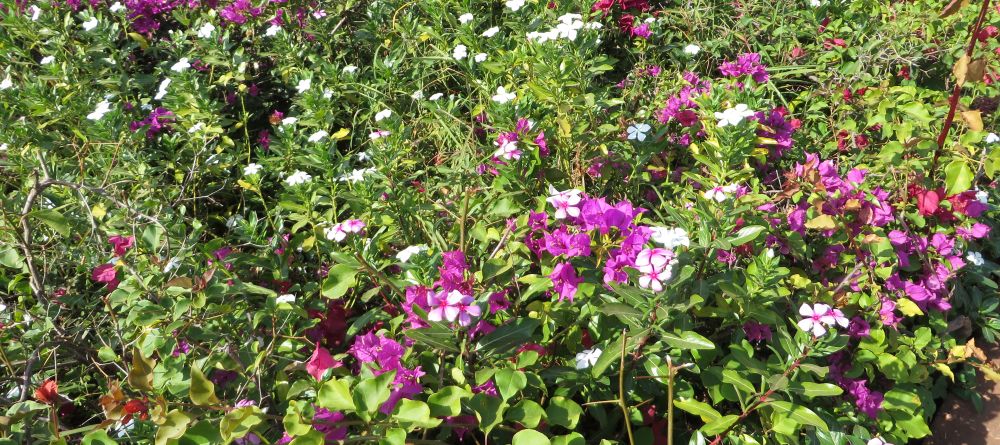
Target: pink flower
105	273
319	362
451	306
338	232
655	267
565	202
121	243
813	321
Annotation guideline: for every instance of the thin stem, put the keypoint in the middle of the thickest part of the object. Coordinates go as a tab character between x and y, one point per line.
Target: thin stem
670	401
621	390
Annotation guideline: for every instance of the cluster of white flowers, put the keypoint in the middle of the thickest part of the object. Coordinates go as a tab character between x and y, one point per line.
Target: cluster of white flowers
734	115
568	28
102	108
356	175
670	238
299	177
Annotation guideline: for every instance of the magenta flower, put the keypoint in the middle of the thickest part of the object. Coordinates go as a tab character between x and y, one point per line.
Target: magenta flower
121	244
319	362
746	64
453	306
565	281
105	273
757	332
371	348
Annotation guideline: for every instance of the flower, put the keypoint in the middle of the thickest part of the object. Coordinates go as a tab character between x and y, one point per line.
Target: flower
746	64
299	177
285	298
181	65
514	5
692	49
876	440
377	134
816	4
196	128
36	12
162	90
435	96
451	306
90	24
272	30
503	96
382	115
720	193
565	281
6	83
565	202
491	32
304	85
102	108
637	132
319	362
405	254
670	238
508	150
206	31
975	258
121	244
47	60
655	267
317	136
252	169
587	358
460	52
339	231
757	332
479	58
992	138
813	321
734	115
465	18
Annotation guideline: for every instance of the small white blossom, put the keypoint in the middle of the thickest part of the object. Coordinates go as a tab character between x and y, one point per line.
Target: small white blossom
363	156
975	258
819	317
289	121
503	96
102	108
479	58
460	52
992	138
6	83
814	3
515	5
491	32
878	441
587	358
382	115
465	18
196	128
272	30
327	94
181	65
47	60
36	12
405	254
356	175
117	7
317	136
252	169
670	238
298	178
734	115
378	134
304	85
637	132
435	96
90	24
162	91
417	95
692	49
350	69
982	196
206	31
285	298
720	193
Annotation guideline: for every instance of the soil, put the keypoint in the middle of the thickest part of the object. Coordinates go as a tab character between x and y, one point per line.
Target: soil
958	422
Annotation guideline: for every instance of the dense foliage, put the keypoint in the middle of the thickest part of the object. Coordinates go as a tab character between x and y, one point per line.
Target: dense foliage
629	221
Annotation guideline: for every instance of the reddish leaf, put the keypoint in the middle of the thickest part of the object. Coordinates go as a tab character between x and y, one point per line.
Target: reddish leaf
48	392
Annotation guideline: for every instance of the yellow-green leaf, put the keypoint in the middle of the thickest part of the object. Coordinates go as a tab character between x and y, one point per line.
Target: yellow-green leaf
908	307
202	390
821	222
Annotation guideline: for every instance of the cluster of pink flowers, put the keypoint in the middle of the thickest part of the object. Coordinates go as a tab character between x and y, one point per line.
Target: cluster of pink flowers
747	64
107	273
158	121
338	232
509	144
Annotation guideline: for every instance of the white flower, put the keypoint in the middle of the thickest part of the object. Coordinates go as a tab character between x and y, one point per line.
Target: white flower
465	18
363	156
272	30
975	258
417	95
327	94
289	121
992	138
102	108
304	85
252	169
814	3
3	307
90	24
117	7
162	91
813	323
480	57
405	254
491	32
47	60
460	52
6	83
692	49
356	175
565	202
514	5
877	441
350	69
196	128
508	151
670	238
382	115
4	146
181	65
503	96
317	136
981	195
378	134
587	358
206	31
298	178
720	193
638	132
733	116
36	12
285	298
435	96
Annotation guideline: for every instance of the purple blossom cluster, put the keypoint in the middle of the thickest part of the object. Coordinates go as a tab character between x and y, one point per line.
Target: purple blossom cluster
158	121
747	64
774	126
867	400
382	354
682	107
238	11
147	15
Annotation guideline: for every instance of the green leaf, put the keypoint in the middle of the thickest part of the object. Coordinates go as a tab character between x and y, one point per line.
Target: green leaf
436	336
526	412
569	439
530	437
510	382
335	395
447	401
564	412
340	279
718	426
798	413
53	219
627	314
745	235
11	258
239	422
370	394
151	237
507	337
414	414
98	437
202	390
174	425
393	436
488	409
296	420
734	378
140	376
957	177
313	437
815	389
700	409
687	340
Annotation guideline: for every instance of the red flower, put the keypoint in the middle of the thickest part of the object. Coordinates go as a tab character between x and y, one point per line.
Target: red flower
105	273
797	53
135	406
48	393
626	23
904	72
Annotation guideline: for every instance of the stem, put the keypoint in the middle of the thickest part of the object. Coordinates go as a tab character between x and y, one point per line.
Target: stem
957	90
670	401
621	391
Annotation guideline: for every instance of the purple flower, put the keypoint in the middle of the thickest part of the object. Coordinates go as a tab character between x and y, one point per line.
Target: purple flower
157	121
453	306
858	328
488	388
561	242
324	421
746	64
565	281
757	332
371	348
